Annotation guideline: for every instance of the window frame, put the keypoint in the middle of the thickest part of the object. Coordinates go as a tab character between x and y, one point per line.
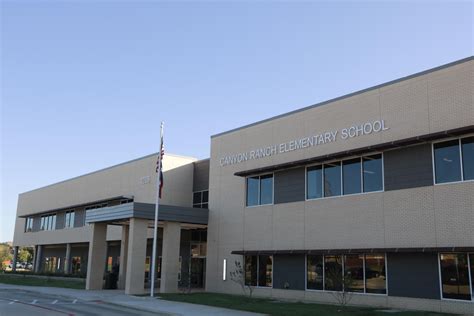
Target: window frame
260	175
342	176
470	280
66	225
200	204
459	139
258	272
28	229
47	221
343	271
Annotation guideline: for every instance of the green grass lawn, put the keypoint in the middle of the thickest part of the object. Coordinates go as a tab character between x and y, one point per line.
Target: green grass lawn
279	308
32	281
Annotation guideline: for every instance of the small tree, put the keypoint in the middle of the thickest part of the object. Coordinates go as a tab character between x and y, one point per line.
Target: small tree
238	276
341	283
24	255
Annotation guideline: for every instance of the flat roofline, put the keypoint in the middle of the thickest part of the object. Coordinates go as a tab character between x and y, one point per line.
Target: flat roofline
107	168
418	74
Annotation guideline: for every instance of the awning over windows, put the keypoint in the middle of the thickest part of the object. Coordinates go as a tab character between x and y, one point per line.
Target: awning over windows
352	251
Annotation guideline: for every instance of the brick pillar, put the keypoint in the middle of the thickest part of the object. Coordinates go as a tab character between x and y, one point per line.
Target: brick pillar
136	255
170	257
97	256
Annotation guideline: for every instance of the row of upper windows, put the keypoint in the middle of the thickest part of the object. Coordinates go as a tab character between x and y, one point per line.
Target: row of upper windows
453	161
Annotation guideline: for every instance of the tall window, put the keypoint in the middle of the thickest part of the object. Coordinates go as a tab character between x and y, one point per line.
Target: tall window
201	199
350	176
314	272
260	190
454	160
375	274
351	172
349	273
29	224
333	273
332	179
455	276
354	273
259	270
69	220
48	222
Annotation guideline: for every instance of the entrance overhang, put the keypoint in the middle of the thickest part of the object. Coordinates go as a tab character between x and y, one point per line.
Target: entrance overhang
168	213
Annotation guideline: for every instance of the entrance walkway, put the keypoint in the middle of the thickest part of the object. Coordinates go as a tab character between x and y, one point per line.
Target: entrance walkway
118	297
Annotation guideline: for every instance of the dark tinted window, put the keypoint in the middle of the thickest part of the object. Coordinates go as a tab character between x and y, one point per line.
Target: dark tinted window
266	189
333	273
251	270
196	197
455	276
332	179
314	179
265	265
372	169
314	272
354	273
468	158
205	196
252	191
447	162
375	277
351	174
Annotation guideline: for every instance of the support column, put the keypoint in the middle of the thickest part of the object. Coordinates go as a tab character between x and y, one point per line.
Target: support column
39	258
97	254
170	257
34	258
15	258
67	262
136	255
123	256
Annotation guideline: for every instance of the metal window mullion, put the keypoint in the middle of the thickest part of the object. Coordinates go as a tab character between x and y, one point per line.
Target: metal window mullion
363	272
460	159
362	176
470	275
324	274
259	193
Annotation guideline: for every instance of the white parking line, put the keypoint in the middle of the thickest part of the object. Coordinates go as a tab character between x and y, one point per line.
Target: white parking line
13	302
54	302
74	302
34	301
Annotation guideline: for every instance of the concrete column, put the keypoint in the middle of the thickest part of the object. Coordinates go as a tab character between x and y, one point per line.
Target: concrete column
39	258
136	255
35	251
15	258
170	257
67	263
97	256
123	256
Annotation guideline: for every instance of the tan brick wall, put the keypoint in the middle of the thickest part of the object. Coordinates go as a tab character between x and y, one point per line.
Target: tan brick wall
434	216
124	179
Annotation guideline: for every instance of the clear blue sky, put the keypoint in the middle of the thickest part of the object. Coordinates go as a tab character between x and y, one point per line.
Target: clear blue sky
85	83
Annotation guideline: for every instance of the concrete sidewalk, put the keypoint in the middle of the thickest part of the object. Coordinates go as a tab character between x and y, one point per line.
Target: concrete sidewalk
144	303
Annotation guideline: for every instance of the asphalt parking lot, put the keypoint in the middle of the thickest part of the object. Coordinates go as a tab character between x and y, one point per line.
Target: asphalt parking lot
22	302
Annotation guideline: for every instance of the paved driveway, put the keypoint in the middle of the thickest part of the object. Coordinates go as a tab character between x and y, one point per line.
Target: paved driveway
24	302
35	300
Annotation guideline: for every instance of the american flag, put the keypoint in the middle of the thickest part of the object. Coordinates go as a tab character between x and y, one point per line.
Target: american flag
159	165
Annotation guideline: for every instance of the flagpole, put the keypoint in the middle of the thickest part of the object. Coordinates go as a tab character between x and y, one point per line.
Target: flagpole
157	206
